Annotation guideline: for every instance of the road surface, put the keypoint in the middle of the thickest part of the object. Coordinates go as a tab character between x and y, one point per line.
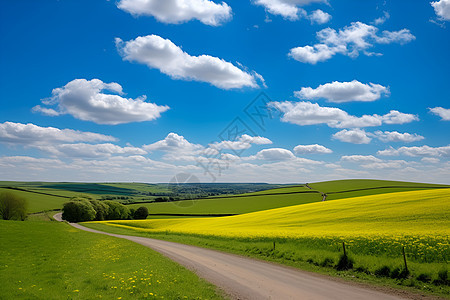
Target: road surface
246	278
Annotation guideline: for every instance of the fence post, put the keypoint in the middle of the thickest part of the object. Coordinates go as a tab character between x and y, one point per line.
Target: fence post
404	258
273	245
343	247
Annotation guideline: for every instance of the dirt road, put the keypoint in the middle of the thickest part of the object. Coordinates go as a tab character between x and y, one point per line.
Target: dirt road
246	278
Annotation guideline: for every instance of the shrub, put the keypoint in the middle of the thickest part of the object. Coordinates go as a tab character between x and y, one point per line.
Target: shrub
384	271
117	211
12	206
79	210
141	213
424	277
327	262
344	263
442	278
101	209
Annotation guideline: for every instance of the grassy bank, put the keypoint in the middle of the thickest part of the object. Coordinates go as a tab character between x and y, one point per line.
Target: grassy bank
49	260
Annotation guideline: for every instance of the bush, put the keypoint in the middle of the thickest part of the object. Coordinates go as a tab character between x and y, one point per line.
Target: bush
424	277
12	206
117	211
78	210
141	213
344	263
384	271
327	262
101	209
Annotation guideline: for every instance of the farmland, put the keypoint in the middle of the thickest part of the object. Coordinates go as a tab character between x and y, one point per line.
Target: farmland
374	228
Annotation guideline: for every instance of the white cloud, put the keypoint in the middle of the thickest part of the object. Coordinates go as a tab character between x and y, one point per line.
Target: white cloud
311	149
442	9
90	150
86	100
173	143
354	136
381	20
288	9
444	113
179	11
339	92
319	17
307	113
392	164
274	154
394	136
430	160
168	58
30	134
350	41
359	159
243	142
417	151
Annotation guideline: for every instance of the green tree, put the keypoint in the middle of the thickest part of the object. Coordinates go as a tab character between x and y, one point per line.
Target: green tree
117	211
141	213
78	211
12	206
100	208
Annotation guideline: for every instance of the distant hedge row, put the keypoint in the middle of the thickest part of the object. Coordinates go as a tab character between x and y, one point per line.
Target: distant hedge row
85	209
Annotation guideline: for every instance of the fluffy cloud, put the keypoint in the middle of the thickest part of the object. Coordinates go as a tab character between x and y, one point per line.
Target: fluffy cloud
30	134
350	41
179	11
417	151
86	100
444	113
312	149
274	154
243	142
319	17
90	150
442	9
381	20
307	113
288	9
354	136
359	159
173	143
339	92
168	58
394	136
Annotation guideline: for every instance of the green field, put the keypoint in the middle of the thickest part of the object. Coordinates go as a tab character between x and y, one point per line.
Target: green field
50	260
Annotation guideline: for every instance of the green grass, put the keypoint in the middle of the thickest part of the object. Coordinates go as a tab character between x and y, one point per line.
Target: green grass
230	205
38	202
50	260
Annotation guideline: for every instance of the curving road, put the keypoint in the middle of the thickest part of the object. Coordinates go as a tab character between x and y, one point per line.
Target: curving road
246	278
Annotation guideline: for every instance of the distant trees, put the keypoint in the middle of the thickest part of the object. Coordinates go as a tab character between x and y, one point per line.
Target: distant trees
12	206
81	209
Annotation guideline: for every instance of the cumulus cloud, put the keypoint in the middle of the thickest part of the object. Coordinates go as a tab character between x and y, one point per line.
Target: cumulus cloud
319	17
417	151
274	154
30	134
179	11
394	136
288	9
442	9
243	142
444	113
382	19
86	100
169	59
173	143
354	136
339	92
350	41
311	149
307	113
90	150
359	159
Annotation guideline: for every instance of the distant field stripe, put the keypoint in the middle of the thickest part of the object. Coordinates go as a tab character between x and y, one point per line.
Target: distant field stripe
256	195
390	187
25	190
193	215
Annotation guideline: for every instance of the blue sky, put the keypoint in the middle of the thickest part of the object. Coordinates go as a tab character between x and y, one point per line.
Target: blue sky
142	90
